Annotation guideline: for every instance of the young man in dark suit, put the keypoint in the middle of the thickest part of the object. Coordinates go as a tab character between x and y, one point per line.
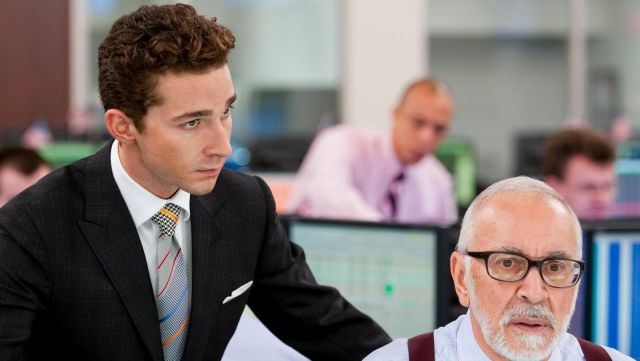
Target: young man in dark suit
149	249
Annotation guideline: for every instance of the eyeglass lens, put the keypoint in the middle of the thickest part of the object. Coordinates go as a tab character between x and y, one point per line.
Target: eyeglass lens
556	272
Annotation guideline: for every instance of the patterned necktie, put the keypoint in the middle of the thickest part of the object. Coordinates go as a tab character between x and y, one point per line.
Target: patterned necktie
392	195
172	297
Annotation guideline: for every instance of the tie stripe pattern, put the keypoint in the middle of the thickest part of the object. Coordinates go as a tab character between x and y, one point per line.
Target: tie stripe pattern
172	286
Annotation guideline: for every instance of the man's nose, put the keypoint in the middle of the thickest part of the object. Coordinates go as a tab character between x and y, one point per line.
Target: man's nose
427	136
218	141
604	195
533	289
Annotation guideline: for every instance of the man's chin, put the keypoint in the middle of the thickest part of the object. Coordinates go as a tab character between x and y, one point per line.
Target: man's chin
594	214
412	158
535	341
201	188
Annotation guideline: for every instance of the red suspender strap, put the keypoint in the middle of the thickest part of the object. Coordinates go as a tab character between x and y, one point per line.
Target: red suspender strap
593	352
422	348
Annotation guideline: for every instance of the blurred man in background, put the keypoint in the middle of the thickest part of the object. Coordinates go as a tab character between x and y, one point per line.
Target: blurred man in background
383	175
19	169
578	163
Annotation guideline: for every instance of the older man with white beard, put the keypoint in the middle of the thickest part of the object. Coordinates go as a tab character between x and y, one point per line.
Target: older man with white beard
517	268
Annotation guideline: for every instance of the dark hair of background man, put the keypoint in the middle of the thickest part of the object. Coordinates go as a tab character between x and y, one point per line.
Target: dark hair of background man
568	143
24	160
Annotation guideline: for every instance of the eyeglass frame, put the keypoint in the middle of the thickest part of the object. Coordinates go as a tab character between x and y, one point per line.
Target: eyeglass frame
530	263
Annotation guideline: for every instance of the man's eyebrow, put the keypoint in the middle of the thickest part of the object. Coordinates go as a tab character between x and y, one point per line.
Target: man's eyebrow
196	114
202	113
232	99
557	254
510	249
552	254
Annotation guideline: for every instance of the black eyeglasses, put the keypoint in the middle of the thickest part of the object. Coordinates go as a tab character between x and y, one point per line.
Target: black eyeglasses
512	267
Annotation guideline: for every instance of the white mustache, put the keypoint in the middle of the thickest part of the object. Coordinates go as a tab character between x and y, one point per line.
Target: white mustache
524	310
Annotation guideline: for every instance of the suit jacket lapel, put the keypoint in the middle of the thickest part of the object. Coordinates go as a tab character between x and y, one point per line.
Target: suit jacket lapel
207	270
110	231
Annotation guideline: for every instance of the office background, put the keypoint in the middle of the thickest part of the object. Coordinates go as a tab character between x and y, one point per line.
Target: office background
518	70
302	64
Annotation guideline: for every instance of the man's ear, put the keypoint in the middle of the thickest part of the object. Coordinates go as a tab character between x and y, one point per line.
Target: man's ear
458	273
395	113
120	126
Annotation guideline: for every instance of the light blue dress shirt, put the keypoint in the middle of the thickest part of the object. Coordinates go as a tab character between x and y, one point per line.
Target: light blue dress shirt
455	342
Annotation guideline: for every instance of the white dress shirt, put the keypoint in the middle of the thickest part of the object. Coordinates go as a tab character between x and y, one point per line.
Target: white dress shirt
455	342
142	205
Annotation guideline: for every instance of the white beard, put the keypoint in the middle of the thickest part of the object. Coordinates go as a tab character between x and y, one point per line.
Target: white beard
530	347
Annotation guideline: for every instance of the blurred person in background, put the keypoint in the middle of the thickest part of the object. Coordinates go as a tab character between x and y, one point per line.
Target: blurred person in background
517	268
37	136
386	175
19	169
579	164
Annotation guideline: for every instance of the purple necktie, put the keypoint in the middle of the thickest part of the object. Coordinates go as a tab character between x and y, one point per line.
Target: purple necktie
392	195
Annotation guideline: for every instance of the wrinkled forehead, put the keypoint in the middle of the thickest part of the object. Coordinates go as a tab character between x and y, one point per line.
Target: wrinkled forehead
536	228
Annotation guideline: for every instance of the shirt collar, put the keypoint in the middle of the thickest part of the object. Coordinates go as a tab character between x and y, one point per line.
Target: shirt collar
141	203
390	157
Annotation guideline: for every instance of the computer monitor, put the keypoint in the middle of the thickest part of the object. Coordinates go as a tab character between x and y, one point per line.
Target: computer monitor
458	156
627	204
614	285
397	274
579	325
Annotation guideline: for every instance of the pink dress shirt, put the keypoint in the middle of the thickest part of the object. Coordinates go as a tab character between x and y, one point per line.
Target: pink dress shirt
347	173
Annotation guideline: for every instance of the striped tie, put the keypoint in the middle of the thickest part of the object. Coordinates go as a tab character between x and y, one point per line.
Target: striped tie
172	299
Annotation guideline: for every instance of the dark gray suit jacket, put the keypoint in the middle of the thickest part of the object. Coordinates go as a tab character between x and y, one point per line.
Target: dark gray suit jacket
74	283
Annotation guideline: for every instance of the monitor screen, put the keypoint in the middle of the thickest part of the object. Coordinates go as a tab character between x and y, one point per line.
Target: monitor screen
387	271
627	204
615	289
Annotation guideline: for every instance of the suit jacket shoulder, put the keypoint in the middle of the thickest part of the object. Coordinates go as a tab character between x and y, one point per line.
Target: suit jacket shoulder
71	259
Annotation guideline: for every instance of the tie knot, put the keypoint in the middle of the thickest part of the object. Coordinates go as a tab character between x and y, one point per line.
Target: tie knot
167	218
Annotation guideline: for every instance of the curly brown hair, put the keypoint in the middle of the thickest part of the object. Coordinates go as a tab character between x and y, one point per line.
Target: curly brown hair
150	42
568	143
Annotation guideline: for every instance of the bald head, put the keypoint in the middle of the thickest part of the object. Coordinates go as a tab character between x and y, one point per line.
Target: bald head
430	86
421	120
515	195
